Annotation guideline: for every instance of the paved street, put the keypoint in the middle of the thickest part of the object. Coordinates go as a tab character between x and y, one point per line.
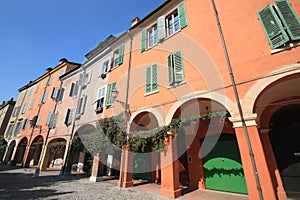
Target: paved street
19	183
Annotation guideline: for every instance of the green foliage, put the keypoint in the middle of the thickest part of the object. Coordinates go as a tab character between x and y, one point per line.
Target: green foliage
139	140
57	147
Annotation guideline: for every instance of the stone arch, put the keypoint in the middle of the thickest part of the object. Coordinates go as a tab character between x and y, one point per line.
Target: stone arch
35	150
20	151
215	96
153	111
9	151
253	93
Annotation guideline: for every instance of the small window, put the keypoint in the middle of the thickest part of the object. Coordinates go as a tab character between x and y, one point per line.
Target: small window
69	116
175	68
10	129
172	23
151	79
118	56
37	88
100	99
32	104
16	111
43	98
81	105
152	36
24	124
24	108
104	68
74	89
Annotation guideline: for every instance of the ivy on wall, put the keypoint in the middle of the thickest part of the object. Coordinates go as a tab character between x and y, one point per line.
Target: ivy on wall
57	147
139	140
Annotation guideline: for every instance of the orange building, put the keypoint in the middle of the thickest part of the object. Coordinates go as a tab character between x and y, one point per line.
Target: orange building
174	66
42	115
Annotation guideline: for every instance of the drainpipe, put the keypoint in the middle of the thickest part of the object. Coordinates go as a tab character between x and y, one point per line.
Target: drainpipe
259	190
127	109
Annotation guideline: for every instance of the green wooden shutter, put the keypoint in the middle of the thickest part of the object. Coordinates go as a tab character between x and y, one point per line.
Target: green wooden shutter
109	99
272	27
144	40
178	67
154	77
170	69
148	80
161	28
121	54
289	18
182	16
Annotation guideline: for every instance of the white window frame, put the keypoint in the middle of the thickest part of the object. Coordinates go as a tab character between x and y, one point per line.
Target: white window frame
104	69
101	95
171	18
152	35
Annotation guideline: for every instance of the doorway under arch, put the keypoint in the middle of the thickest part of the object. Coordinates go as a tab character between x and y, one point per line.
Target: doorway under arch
20	152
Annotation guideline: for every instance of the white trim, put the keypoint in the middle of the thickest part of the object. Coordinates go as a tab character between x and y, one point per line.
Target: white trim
249	120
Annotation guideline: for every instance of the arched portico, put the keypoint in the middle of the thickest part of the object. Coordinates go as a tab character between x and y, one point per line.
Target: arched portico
278	110
199	146
20	151
35	151
9	151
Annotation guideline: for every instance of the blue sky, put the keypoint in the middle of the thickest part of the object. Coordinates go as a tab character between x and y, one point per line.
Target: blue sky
35	34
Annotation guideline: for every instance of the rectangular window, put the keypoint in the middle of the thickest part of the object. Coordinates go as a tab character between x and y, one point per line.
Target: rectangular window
81	105
118	56
151	78
104	68
152	36
69	117
37	88
100	99
18	127
24	108
10	129
35	121
175	68
74	89
172	23
109	97
60	95
16	111
55	91
280	23
24	124
32	104
53	120
43	98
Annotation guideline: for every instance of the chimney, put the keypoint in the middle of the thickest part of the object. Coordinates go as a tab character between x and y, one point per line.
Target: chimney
135	21
48	69
62	60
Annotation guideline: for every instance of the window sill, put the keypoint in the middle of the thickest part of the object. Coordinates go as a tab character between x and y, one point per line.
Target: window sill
150	93
176	85
288	47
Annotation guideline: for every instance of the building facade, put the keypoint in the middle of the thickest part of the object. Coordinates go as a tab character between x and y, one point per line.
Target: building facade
227	107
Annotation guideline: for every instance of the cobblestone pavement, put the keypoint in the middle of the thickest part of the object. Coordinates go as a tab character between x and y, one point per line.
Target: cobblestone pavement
19	183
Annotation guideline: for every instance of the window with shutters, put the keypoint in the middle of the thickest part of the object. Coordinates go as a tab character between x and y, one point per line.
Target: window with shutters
118	55
280	23
16	111
24	124
9	129
35	121
104	68
52	119
152	36
31	104
100	99
151	79
18	127
175	68
43	98
69	116
37	88
24	108
110	100
165	26
74	89
60	95
81	105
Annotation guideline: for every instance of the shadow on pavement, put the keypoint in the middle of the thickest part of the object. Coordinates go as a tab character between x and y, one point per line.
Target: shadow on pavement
19	183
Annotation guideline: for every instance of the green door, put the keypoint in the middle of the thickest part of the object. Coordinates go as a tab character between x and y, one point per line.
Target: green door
142	164
222	166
